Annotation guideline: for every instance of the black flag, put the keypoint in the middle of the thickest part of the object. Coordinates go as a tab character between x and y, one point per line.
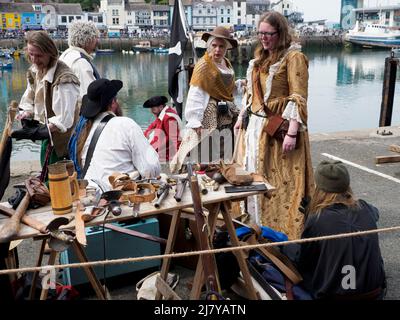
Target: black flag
177	45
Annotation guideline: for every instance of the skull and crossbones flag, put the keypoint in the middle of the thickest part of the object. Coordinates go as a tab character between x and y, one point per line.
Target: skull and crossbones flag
178	41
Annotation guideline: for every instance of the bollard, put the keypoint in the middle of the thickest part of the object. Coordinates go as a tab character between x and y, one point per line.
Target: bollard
389	85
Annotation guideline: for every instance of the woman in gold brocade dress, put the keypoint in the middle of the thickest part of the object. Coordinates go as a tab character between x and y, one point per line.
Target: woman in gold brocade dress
282	71
212	82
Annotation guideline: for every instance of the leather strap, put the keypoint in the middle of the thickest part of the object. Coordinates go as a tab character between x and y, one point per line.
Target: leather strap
139	198
93	142
96	74
260	96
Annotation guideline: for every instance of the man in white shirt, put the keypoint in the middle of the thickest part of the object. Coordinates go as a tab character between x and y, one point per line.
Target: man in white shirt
121	146
49	106
83	38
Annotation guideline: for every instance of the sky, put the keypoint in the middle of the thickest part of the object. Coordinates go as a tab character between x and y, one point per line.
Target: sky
330	9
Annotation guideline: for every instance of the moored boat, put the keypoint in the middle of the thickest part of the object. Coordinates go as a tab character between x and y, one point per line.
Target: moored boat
143	46
105	51
373	35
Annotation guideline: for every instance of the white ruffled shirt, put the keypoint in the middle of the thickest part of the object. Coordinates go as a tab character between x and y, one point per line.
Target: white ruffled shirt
80	66
122	147
197	101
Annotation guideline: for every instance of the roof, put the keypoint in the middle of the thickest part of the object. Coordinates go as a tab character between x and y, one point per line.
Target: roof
60	8
374	9
184	2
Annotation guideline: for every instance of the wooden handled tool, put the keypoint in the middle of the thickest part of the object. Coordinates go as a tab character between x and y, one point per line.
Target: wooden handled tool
80	224
31	222
13	225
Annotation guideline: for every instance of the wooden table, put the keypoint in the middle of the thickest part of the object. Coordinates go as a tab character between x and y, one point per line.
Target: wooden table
214	201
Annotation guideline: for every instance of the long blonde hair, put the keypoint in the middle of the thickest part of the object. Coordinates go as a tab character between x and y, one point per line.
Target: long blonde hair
321	199
264	58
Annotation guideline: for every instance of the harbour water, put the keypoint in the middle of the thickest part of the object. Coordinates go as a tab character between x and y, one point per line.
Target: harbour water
345	88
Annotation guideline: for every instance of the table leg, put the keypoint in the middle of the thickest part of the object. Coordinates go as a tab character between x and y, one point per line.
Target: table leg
198	280
94	281
32	291
252	292
173	230
52	261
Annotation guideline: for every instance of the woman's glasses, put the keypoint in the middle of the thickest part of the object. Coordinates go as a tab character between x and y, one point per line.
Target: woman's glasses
266	34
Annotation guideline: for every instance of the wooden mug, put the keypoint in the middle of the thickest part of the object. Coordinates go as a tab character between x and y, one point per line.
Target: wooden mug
73	176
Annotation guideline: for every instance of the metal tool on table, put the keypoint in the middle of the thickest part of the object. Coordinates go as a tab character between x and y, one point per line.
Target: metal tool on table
162	194
108	200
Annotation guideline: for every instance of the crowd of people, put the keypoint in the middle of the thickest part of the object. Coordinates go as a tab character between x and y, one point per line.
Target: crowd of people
79	118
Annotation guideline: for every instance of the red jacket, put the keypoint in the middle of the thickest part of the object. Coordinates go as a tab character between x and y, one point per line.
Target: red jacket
164	134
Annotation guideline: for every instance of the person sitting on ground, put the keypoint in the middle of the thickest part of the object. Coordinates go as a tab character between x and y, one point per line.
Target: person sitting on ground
346	268
163	133
83	37
121	146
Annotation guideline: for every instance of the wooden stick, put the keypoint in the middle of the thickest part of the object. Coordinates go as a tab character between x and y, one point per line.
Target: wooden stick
11	228
12	111
387	159
80	224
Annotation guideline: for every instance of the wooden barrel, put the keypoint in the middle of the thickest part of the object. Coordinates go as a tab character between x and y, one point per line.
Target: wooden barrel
60	189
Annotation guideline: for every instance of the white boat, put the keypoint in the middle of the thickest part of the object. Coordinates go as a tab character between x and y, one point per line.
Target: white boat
373	35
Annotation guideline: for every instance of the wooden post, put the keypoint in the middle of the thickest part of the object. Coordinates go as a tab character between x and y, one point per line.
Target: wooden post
389	84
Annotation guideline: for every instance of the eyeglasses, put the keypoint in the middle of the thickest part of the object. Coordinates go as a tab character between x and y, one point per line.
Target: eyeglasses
265	34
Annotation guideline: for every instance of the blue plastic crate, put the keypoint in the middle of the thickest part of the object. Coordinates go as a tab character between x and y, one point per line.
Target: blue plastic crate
118	245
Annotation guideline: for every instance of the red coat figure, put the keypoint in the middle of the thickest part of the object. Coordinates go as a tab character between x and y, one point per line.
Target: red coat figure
164	132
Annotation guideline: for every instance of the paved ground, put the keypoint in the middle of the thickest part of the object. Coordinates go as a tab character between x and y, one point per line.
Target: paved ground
359	148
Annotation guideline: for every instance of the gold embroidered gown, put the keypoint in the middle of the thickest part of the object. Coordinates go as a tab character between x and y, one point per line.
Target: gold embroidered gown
284	87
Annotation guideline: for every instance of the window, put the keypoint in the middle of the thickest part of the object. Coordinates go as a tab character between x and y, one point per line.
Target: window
222	19
27	20
239	21
238	13
208	11
204	20
37	7
222	11
63	19
115	21
78	17
197	20
228	11
228	20
37	17
129	21
100	19
70	19
90	18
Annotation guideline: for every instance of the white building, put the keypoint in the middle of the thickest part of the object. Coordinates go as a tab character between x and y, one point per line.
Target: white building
204	15
115	14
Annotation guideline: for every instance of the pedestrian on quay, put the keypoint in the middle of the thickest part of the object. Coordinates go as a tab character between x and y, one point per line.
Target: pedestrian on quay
209	104
83	38
121	145
277	84
348	268
49	106
164	132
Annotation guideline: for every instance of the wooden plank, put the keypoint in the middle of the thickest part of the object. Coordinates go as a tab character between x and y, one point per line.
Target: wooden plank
394	148
387	159
166	291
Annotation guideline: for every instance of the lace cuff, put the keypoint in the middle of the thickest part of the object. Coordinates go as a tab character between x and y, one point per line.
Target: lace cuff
292	112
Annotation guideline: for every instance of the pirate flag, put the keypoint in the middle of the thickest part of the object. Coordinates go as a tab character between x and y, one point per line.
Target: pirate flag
177	45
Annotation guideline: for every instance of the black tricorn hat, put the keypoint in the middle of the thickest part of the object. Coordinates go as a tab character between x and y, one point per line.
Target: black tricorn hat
155	101
99	95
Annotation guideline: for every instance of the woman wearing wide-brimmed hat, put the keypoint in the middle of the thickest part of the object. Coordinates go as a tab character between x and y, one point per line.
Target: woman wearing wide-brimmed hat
209	105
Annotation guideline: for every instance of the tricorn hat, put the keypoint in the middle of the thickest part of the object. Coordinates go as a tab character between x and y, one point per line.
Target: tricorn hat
220	32
99	95
155	101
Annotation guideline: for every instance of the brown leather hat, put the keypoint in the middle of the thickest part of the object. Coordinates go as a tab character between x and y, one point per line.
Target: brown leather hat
220	32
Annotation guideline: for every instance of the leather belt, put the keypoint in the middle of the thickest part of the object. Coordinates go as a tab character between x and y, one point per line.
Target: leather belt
140	196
